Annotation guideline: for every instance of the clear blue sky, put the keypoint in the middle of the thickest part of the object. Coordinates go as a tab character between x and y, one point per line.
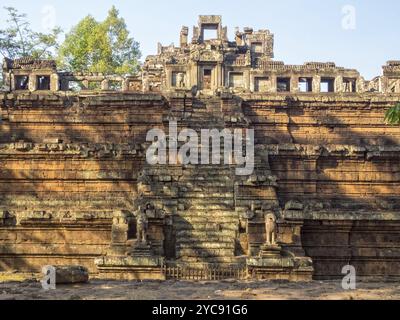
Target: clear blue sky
305	30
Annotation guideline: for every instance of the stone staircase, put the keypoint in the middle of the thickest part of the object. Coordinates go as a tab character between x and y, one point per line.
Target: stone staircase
200	199
206	223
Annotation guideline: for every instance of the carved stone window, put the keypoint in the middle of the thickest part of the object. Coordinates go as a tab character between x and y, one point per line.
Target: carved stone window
261	84
115	85
21	82
236	80
305	84
174	79
178	79
75	86
209	31
256	47
206	79
394	85
43	83
327	84
349	85
283	84
210	34
94	85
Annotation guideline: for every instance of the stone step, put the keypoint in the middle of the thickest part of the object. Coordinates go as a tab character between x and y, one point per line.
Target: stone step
200	253
223	262
215	186
201	122
206	114
199	245
203	202
207	194
208	178
210	206
188	236
207	174
205	219
205	227
208	181
207	166
195	212
209	253
211	261
202	263
201	170
203	117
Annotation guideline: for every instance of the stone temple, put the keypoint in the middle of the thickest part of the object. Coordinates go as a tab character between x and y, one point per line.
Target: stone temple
76	188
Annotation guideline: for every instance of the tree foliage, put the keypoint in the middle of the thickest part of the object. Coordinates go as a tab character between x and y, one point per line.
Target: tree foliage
18	39
105	46
392	116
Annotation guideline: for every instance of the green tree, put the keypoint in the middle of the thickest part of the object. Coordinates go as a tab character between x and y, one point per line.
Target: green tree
18	39
392	116
104	46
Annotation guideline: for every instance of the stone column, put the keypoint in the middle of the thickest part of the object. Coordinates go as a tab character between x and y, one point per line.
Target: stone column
168	81
184	36
316	84
339	84
273	83
220	75
54	82
294	84
252	83
12	82
85	83
246	76
360	84
194	74
32	82
125	85
105	84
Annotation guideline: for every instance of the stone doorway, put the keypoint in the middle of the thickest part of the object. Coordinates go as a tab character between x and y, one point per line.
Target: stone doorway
206	78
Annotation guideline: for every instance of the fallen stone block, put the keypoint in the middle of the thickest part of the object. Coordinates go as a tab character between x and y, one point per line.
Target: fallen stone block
71	274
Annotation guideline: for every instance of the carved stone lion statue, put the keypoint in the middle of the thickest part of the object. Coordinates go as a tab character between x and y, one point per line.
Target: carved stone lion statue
141	225
270	228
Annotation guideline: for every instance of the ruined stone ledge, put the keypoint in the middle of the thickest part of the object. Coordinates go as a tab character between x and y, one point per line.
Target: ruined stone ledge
59	218
130	268
95	224
92	96
130	273
105	262
299	99
52	250
271	262
283	268
364	100
336	215
349	151
99	150
82	150
300	275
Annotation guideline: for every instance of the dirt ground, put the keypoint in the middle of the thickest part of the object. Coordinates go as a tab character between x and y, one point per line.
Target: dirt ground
202	290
